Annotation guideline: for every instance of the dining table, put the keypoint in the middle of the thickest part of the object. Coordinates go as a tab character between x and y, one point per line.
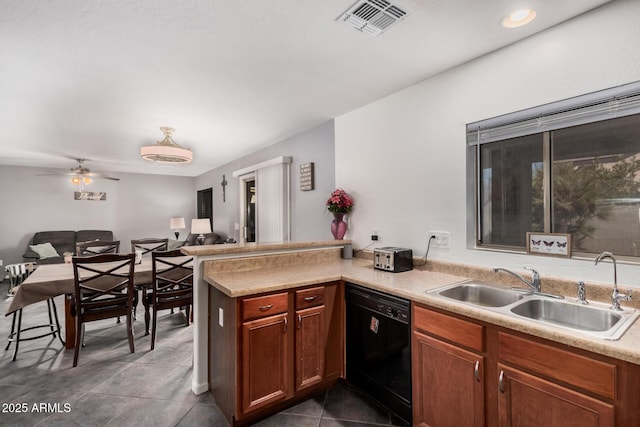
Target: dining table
51	280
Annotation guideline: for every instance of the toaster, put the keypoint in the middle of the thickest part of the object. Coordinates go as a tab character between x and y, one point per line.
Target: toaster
393	259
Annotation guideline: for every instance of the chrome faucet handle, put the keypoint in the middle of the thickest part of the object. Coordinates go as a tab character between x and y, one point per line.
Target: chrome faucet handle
616	297
535	279
582	293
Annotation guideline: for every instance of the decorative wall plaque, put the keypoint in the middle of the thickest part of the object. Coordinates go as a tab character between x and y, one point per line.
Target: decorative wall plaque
89	195
556	244
306	176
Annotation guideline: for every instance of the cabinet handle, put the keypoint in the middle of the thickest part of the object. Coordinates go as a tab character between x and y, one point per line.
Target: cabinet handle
309	299
476	371
501	382
265	307
286	324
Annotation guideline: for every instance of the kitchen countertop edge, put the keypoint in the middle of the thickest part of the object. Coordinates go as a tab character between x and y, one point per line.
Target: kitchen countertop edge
412	285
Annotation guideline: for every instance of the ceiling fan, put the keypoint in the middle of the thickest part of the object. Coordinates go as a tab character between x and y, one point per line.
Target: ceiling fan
80	174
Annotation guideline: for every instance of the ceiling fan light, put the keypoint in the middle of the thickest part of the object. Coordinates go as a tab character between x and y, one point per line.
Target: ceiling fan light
166	151
75	180
86	180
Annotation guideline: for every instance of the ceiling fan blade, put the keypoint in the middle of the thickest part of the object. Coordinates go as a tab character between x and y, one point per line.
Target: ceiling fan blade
100	175
56	173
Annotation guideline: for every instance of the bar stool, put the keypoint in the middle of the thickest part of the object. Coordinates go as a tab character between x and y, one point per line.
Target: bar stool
17	274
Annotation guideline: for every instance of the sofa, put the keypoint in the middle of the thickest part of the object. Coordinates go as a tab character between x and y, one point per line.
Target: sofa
62	241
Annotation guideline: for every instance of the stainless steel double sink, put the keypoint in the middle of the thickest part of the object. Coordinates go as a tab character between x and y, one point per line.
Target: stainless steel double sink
594	320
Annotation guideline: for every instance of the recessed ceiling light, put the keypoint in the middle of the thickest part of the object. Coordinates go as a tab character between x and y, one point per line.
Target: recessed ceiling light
518	18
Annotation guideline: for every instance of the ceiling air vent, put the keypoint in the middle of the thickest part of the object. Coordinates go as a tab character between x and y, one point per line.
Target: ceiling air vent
372	16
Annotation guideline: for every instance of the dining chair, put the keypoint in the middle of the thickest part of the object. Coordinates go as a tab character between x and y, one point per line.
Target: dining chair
146	246
103	289
97	247
171	287
18	274
149	245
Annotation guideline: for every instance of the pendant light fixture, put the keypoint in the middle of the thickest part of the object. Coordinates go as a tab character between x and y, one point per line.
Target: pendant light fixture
166	151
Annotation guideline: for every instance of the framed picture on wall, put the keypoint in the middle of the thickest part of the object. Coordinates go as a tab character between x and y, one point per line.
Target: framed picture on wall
556	244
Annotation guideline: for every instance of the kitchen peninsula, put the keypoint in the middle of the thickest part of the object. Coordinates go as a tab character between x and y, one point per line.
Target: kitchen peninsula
235	283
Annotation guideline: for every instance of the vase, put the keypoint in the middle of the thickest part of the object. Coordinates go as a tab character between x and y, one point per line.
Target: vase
338	226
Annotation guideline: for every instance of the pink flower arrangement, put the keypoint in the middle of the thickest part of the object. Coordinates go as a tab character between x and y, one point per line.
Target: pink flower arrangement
339	202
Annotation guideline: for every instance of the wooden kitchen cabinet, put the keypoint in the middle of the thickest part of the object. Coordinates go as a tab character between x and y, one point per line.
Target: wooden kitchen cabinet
520	380
265	361
310	337
448	385
271	350
528	399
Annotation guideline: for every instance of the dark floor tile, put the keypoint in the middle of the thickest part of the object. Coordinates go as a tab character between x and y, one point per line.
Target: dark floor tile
288	420
39	404
134	380
328	422
346	404
166	355
203	415
148	412
311	407
174	385
91	410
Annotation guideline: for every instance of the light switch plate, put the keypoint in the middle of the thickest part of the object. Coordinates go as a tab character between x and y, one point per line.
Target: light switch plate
220	317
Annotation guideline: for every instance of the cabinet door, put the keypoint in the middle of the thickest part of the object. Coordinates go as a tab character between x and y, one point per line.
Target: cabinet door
447	384
310	346
529	401
264	361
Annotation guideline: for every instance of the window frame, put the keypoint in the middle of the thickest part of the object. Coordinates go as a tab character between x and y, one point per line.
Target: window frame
611	103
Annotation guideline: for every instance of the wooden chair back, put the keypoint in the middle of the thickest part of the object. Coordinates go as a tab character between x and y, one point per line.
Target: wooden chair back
103	289
97	247
149	245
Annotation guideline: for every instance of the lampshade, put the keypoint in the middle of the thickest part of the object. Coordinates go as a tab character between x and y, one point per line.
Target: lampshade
176	223
166	151
200	226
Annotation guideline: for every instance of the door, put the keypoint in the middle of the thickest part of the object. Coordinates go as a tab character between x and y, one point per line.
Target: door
205	204
264	362
310	346
528	401
448	386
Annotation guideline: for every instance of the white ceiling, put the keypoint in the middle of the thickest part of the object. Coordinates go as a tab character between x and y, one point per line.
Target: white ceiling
97	78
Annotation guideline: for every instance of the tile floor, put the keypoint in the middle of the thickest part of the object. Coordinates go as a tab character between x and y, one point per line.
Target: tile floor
112	387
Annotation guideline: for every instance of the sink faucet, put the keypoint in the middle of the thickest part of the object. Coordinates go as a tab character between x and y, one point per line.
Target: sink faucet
534	284
616	296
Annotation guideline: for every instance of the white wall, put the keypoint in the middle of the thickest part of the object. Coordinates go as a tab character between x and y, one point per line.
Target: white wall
309	217
137	206
403	157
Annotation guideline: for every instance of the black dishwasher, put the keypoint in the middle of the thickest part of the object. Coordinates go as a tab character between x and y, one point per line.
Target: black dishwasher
379	347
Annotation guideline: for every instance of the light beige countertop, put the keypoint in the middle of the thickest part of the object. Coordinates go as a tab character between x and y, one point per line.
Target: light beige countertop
411	285
243	248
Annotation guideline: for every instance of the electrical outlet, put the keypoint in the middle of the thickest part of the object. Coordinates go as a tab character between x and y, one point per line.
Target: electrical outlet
441	240
374	237
1	263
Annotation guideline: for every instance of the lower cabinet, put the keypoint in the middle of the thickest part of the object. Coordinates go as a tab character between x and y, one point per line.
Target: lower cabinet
448	384
290	345
527	400
265	361
471	373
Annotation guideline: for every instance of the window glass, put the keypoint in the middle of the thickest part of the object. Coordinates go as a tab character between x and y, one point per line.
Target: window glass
596	185
511	191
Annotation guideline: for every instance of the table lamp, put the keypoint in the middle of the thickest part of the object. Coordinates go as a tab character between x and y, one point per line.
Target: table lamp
200	227
176	224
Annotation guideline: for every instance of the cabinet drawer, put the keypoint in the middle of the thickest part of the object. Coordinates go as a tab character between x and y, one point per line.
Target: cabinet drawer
562	365
262	306
311	297
450	328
